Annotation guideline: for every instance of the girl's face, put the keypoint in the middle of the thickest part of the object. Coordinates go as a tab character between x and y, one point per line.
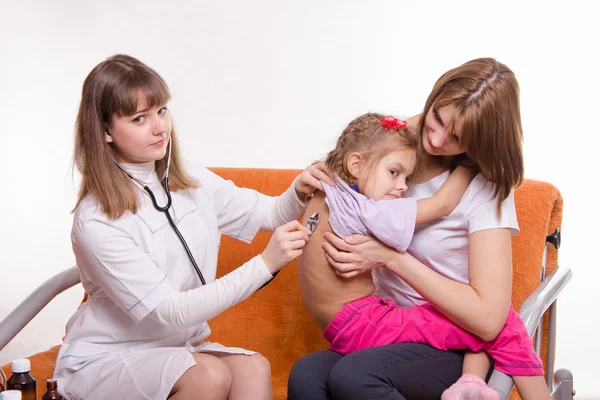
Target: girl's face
143	136
388	180
438	137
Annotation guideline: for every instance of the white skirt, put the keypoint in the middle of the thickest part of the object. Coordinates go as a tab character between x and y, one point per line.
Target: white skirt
148	374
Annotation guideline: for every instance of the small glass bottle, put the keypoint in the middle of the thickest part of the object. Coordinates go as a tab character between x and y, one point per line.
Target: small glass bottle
52	391
12	395
22	380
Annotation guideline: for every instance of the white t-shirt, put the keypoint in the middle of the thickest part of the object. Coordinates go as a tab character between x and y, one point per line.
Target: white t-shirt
443	244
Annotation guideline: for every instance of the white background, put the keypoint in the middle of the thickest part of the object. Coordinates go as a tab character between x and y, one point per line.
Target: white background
271	83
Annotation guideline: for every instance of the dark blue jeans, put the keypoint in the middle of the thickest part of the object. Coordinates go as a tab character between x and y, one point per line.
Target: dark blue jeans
398	371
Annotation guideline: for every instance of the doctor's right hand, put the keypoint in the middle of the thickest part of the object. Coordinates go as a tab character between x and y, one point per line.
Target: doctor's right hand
285	245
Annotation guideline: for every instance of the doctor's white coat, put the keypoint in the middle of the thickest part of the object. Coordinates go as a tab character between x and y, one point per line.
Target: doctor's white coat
114	346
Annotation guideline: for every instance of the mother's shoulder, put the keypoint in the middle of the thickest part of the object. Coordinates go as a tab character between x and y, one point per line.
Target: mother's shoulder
482	186
480	191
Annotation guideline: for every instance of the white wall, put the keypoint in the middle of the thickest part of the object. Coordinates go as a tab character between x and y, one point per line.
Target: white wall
283	78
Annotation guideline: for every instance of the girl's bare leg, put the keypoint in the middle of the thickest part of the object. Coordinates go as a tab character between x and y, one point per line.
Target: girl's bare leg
532	387
471	385
476	364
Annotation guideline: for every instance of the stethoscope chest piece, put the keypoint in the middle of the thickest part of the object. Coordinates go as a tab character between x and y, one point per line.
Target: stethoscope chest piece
312	223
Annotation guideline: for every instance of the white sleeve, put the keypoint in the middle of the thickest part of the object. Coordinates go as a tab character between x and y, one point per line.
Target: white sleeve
285	208
112	261
483	213
186	309
240	211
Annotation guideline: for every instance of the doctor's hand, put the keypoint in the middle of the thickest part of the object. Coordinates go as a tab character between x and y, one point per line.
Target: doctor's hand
355	254
310	180
285	245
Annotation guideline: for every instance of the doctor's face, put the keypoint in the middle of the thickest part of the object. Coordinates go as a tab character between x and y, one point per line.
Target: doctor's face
142	136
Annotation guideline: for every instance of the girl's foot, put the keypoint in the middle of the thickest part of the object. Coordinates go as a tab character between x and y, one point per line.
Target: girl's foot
470	387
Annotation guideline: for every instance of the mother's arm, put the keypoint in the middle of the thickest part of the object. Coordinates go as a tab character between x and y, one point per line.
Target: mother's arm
480	308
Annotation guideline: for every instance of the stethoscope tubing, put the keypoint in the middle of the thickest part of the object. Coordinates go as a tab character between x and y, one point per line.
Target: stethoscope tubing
165	210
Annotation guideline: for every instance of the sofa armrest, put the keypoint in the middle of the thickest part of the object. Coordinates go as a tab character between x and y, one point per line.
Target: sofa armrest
35	302
543	297
531	312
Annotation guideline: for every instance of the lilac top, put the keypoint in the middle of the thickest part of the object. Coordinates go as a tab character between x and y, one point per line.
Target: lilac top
390	221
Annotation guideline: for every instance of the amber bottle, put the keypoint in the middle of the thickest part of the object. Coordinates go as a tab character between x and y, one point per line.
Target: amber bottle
52	391
22	380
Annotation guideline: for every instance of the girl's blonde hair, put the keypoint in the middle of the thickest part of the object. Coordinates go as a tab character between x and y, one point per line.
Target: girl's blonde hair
114	88
368	136
485	94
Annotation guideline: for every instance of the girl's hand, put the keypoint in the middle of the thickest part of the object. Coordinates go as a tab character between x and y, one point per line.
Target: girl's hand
285	245
310	180
355	254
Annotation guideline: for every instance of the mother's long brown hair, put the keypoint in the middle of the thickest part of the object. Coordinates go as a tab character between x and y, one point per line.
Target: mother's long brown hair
485	94
114	87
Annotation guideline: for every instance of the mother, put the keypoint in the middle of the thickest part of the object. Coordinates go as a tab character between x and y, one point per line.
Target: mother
460	264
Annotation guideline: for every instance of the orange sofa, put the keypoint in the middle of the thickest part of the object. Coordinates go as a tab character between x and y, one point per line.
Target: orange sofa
275	321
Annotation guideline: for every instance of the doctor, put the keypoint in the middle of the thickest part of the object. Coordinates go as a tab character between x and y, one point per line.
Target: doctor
141	334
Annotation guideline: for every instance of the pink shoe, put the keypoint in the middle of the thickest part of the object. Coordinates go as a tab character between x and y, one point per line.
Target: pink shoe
470	387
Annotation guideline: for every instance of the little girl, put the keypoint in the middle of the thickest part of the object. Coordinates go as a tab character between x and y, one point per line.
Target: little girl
373	160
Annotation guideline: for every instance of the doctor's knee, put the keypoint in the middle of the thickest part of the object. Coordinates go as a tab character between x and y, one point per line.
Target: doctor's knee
209	378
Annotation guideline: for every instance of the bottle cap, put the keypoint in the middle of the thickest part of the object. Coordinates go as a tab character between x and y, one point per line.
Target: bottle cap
11	395
21	365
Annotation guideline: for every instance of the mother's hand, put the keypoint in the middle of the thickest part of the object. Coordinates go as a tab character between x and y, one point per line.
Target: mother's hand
355	254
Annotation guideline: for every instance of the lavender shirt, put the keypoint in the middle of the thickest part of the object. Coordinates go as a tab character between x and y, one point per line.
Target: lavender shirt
390	221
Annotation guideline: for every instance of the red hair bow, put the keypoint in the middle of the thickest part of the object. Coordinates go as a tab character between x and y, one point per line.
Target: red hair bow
393	122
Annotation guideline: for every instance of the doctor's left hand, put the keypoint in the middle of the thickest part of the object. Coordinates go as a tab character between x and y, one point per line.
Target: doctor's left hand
310	180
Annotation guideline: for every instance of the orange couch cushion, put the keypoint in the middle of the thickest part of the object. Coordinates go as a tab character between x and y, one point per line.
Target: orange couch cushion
275	321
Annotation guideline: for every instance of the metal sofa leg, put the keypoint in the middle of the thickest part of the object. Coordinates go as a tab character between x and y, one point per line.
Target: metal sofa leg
563	385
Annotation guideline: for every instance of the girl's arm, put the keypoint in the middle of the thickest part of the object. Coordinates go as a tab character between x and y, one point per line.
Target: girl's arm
447	198
480	308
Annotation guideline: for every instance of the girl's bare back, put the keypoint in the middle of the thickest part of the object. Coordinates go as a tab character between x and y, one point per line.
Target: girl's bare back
324	292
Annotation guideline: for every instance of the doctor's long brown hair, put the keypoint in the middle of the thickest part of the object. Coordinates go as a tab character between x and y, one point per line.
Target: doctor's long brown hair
485	93
112	88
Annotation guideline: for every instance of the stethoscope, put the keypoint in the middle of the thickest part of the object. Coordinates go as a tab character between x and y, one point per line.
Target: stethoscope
312	223
165	209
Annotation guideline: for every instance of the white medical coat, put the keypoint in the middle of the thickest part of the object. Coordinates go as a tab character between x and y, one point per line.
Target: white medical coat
130	265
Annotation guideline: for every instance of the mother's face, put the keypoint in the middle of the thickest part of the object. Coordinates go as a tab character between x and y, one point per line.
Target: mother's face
438	137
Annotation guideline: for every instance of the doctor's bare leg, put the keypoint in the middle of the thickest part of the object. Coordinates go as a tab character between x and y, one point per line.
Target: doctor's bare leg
250	376
210	378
